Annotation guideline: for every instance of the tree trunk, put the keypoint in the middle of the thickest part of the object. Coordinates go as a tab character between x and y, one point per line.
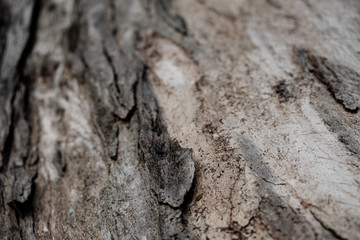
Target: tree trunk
182	119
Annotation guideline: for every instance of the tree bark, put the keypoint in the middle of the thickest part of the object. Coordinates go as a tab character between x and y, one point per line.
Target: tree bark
182	119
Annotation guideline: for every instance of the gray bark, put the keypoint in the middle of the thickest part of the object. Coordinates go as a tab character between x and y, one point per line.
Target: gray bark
182	119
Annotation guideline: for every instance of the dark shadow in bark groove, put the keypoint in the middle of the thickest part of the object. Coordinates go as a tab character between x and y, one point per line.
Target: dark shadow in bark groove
5	20
171	167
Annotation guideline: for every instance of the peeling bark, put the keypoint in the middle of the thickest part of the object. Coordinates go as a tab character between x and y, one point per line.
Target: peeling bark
182	119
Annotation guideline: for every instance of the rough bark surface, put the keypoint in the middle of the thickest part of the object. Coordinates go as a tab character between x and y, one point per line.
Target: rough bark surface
182	119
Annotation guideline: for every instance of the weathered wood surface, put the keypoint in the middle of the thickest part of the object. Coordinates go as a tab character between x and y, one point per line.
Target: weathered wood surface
182	119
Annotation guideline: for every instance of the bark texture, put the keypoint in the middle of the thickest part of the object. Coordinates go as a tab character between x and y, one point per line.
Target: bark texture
181	119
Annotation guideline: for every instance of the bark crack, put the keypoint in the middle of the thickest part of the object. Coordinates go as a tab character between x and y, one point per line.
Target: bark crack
330	230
